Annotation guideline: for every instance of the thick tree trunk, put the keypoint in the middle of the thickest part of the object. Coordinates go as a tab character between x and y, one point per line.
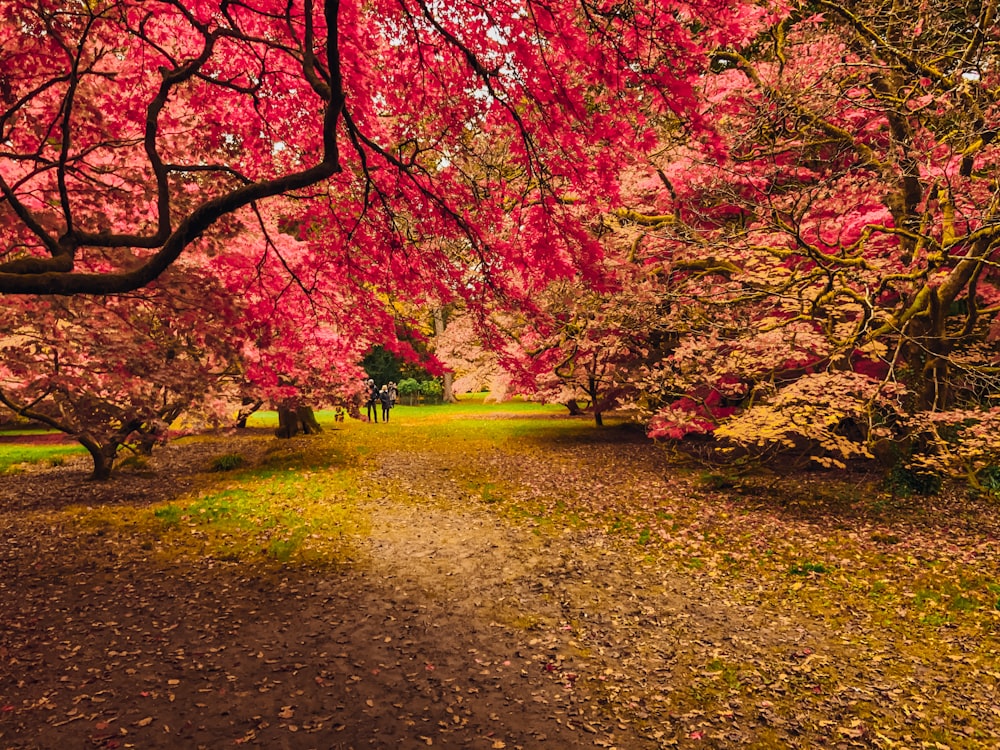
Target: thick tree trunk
295	419
598	418
102	456
288	423
307	420
574	408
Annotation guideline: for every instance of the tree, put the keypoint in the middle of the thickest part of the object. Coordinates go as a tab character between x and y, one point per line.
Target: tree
586	344
300	344
472	359
384	366
850	227
410	389
135	136
118	371
447	378
129	129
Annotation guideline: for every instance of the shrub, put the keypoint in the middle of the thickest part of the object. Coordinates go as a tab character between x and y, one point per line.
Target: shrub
432	389
989	479
904	481
960	443
409	388
832	416
228	462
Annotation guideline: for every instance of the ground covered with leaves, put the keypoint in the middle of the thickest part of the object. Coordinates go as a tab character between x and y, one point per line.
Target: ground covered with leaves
517	581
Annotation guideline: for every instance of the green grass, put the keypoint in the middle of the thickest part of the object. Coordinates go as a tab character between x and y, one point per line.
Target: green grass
469	405
299	505
474	404
265	515
14	456
228	462
805	568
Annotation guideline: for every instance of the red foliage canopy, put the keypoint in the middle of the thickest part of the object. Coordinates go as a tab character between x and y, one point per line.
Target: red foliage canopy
129	129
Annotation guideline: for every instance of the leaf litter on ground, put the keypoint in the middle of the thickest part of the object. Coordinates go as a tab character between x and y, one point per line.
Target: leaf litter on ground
564	583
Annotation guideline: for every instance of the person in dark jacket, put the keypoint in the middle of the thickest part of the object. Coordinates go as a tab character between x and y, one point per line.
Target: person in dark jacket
373	399
385	397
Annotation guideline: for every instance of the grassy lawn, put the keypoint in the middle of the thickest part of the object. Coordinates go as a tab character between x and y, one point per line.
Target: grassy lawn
28	431
14	457
300	503
469	406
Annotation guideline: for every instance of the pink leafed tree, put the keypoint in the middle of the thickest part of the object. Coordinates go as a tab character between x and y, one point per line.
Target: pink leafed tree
117	371
423	151
850	227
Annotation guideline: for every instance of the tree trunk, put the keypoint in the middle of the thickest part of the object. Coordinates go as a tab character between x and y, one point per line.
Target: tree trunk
102	456
295	419
574	408
288	423
448	394
927	355
307	419
147	441
593	390
246	410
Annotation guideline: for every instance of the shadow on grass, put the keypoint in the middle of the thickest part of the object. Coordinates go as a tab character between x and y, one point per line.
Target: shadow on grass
581	431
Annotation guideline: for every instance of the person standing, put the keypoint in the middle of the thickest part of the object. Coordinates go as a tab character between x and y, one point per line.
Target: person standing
372	403
386	400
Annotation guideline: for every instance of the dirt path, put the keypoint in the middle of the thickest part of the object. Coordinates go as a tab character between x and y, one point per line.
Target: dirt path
491	605
734	638
620	633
